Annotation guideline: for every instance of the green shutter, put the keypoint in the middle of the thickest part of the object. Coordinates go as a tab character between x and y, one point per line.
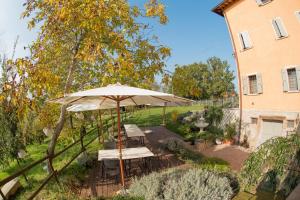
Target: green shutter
245	85
259	83
285	83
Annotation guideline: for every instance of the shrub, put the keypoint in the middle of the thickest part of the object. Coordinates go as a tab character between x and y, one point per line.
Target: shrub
230	131
126	197
214	115
271	166
182	184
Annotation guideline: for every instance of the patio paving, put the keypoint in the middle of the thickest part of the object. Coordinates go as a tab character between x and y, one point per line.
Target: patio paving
96	186
235	155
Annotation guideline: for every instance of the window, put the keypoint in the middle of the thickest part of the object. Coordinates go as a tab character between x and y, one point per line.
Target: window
290	123
253	120
279	28
291	79
262	2
245	40
298	15
252	84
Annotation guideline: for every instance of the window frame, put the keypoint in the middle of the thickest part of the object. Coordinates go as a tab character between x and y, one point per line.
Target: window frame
248	77
283	25
297	13
242	41
290	121
288	82
263	3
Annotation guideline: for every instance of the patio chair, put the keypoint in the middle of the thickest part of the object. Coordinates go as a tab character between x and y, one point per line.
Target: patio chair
111	170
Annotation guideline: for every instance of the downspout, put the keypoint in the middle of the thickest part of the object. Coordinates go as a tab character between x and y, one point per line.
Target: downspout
238	74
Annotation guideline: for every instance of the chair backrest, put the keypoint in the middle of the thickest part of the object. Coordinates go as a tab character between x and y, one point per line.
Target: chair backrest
111	164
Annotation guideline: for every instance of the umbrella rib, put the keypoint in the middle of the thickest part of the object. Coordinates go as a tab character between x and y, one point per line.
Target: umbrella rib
102	101
76	99
133	101
161	99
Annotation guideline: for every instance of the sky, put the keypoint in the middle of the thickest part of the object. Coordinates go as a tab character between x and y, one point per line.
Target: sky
193	32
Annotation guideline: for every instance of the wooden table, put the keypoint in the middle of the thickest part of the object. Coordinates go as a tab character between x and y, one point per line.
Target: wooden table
127	154
132	130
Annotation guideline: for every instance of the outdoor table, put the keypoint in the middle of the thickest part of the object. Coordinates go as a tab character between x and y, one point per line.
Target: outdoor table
132	130
127	154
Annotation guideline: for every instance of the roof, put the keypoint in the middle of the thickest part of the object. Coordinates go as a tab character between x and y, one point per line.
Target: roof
222	6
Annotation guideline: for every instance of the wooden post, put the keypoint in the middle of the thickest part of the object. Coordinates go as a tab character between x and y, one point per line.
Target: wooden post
82	134
25	177
164	114
120	143
101	127
112	123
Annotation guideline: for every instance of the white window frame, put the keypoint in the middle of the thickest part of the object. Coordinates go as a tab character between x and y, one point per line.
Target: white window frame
263	3
297	13
283	37
242	42
288	82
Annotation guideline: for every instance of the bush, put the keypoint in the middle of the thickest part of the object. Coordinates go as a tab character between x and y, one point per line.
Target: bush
182	184
214	115
230	131
126	197
272	166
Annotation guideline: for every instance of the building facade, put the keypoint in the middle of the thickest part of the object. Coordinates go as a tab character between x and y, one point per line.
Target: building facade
265	36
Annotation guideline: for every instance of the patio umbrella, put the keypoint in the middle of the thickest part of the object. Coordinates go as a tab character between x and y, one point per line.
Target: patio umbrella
117	95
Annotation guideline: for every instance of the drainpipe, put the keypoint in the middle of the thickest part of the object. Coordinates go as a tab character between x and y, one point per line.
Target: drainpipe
238	74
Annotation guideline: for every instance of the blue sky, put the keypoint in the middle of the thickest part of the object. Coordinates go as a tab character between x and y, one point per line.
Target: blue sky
193	33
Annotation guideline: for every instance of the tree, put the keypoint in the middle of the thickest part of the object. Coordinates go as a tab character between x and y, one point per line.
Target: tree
212	79
14	104
87	43
191	81
220	78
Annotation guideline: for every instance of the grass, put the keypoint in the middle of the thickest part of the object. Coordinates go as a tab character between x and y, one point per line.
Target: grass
153	117
37	174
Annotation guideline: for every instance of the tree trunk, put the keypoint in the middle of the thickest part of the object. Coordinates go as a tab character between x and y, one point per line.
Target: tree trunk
62	118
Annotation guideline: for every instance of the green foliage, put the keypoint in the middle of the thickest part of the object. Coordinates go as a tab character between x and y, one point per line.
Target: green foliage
127	197
182	184
268	167
212	79
230	131
214	115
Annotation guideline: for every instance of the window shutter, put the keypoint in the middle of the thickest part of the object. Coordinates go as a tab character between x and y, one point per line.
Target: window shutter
245	85
279	28
259	2
285	80
245	40
259	83
298	15
298	76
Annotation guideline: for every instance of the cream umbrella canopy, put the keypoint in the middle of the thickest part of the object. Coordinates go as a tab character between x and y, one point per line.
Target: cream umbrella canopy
114	96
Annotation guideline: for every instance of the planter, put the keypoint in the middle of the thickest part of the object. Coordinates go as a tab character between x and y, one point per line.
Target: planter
228	142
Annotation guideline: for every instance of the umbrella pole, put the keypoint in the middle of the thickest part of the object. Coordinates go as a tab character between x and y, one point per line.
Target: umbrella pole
101	127
120	144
